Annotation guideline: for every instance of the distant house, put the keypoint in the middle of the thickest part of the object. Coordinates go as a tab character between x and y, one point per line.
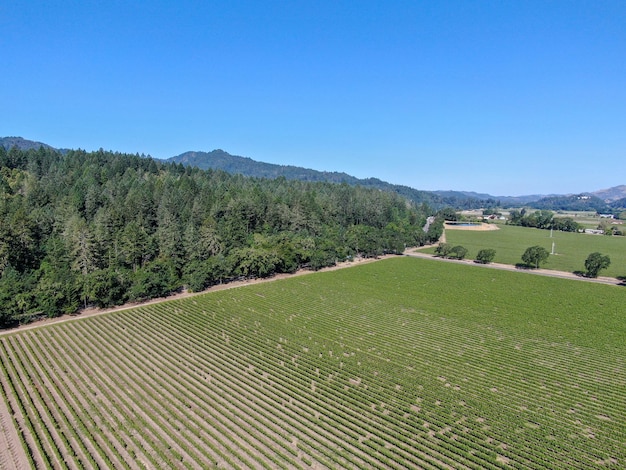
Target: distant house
606	216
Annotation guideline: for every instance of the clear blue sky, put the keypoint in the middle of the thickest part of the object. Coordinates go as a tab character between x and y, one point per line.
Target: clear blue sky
502	97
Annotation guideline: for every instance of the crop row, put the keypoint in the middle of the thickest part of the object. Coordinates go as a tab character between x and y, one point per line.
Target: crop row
553	446
482	367
332	372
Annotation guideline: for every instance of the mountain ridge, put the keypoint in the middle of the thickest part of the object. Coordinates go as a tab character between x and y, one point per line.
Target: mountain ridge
25	144
222	160
22	144
611	194
219	159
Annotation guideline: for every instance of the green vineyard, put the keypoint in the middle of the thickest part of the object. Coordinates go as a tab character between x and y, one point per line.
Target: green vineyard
402	363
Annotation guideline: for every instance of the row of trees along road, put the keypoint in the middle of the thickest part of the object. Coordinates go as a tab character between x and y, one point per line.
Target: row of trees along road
103	228
532	257
595	262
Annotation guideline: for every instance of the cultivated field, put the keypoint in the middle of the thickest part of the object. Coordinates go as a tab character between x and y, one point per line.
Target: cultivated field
403	363
571	248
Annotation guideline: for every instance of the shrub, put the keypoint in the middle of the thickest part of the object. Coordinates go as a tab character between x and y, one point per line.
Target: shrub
486	255
535	255
443	250
595	262
458	252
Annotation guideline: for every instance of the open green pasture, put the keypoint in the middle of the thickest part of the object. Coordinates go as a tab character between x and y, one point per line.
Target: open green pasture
402	363
571	249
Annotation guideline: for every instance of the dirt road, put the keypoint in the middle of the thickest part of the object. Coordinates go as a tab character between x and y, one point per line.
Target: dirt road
507	267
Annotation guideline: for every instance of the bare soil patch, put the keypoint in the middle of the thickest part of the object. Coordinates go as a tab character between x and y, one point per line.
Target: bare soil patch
476	227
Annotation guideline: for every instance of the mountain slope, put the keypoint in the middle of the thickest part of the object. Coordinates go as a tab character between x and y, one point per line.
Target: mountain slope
221	160
611	194
21	143
573	202
25	144
504	200
619	203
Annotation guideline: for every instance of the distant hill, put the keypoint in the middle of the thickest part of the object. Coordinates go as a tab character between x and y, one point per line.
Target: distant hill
619	204
22	144
25	144
611	194
603	200
573	202
510	201
221	160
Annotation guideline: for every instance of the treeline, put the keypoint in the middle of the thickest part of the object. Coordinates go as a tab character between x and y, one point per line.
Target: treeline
542	219
103	228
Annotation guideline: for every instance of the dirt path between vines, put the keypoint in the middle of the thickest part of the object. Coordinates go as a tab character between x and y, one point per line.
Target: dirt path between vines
12	454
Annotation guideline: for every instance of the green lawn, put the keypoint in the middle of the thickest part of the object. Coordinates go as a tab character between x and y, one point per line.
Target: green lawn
571	249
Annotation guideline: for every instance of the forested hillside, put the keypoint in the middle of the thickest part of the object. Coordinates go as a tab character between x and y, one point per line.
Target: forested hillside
21	143
103	228
221	160
574	202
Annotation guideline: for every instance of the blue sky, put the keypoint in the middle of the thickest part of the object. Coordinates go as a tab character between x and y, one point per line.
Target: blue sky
502	97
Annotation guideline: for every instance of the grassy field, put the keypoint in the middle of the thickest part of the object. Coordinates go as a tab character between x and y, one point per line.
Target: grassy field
571	249
403	363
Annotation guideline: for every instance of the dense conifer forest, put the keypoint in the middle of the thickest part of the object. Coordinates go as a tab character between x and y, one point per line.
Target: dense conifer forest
81	229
